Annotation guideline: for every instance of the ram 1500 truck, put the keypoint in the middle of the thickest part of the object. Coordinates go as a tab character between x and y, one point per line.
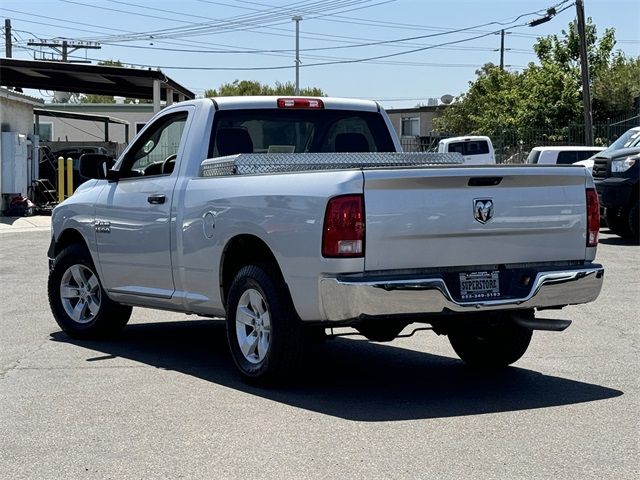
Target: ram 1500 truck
290	215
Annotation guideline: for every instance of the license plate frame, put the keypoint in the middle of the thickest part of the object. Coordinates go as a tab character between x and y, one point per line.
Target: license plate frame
484	285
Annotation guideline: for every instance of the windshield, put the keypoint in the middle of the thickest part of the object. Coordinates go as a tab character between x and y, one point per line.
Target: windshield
630	138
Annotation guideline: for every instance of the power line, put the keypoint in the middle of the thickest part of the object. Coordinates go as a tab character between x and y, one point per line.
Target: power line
340	61
356	45
394	43
274	15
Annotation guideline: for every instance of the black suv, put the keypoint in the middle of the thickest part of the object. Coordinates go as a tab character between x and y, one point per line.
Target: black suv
616	176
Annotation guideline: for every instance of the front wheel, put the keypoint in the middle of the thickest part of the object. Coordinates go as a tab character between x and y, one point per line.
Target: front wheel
493	344
264	333
78	301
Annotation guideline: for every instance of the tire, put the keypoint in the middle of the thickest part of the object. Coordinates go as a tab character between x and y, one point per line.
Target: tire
617	221
632	224
78	301
265	335
380	331
493	344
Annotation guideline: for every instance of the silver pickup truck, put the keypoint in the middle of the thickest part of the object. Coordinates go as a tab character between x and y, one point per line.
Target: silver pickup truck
290	215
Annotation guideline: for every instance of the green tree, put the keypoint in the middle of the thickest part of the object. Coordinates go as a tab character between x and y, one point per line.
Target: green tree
252	87
615	89
547	95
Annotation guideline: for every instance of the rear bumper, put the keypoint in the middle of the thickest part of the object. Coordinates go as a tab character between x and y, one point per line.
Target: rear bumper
349	298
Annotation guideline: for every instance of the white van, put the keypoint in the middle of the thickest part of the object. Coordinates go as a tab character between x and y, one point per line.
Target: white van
476	150
565	155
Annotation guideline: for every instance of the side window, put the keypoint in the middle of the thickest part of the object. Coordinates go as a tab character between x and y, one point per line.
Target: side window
155	152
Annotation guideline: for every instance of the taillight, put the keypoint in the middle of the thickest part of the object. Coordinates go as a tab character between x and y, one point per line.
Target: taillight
300	103
343	233
593	217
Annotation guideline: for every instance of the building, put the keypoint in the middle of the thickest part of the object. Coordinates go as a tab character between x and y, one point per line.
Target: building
415	127
18	145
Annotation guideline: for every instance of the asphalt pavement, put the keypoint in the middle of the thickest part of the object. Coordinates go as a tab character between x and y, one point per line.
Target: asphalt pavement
164	400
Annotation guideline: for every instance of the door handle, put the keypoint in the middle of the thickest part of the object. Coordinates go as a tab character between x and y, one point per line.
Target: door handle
156	199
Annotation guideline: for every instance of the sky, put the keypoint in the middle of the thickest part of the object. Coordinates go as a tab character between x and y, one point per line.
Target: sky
399	52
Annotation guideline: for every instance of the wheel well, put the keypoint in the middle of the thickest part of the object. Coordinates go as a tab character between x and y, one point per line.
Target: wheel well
67	238
241	251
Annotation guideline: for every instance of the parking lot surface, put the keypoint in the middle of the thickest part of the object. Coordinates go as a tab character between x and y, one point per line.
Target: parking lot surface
164	400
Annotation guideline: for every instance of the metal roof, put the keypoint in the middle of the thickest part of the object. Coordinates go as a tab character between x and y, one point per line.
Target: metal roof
44	112
93	79
20	97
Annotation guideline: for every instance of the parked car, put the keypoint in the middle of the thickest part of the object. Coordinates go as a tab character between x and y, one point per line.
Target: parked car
615	173
476	150
565	155
631	138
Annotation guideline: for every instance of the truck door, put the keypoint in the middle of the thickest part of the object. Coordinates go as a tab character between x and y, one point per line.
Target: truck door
133	216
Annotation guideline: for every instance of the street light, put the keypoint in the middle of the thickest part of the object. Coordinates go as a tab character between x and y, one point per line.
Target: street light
297	19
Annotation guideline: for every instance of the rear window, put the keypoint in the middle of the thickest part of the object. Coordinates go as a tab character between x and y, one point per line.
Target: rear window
472	147
566	158
298	131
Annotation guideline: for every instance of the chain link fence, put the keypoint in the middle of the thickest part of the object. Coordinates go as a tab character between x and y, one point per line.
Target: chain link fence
513	147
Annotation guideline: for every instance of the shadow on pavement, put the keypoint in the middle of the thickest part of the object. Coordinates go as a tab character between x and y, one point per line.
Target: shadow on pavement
615	240
351	379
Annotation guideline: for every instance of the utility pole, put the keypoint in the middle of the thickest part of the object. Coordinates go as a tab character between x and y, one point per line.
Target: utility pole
64	48
297	19
584	67
8	44
502	50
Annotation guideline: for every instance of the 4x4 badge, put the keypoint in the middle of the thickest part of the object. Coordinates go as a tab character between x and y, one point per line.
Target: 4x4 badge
483	209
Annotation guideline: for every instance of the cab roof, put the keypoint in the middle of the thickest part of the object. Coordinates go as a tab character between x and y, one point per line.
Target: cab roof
330	103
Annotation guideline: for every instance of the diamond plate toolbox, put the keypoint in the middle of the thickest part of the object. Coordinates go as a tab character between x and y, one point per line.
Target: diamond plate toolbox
265	163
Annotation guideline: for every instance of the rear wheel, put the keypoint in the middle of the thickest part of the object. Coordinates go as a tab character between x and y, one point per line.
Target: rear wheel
492	344
78	301
264	333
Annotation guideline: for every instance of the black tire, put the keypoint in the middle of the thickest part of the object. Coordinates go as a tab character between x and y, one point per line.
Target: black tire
380	331
97	315
632	224
273	354
494	344
617	221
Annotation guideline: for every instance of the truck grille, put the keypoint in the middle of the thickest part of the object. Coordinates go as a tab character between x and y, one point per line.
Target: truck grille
600	168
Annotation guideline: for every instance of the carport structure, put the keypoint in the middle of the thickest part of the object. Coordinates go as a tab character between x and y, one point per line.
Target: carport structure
94	79
105	120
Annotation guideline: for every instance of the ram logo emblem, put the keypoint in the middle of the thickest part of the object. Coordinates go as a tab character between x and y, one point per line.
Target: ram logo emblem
483	209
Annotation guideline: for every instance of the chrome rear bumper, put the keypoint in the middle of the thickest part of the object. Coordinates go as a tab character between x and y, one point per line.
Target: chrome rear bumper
348	298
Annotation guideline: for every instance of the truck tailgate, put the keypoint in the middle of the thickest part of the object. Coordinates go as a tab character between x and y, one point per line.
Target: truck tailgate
471	216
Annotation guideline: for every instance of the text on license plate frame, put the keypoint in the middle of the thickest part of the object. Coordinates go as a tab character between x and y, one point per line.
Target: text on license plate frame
480	285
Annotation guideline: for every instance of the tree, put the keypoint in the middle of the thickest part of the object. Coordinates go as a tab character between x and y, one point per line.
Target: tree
252	87
615	89
547	95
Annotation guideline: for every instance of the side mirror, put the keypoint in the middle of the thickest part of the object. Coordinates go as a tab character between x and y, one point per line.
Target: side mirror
95	165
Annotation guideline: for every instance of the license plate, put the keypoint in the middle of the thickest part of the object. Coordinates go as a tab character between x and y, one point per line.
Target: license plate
479	285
